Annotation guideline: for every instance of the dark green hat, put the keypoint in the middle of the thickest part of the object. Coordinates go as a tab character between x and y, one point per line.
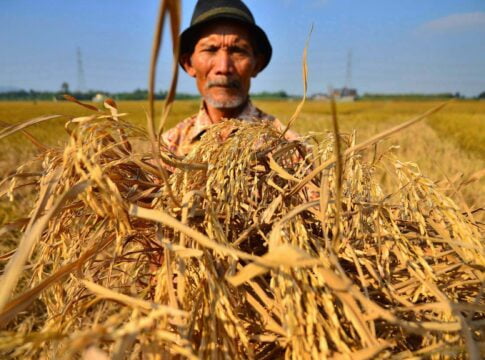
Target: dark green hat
207	11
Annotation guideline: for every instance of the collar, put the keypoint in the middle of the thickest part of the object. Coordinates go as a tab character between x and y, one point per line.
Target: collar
203	120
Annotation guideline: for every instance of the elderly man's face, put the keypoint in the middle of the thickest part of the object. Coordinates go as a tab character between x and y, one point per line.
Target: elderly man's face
223	63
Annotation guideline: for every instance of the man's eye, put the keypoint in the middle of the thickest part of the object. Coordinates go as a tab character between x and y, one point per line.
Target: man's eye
210	49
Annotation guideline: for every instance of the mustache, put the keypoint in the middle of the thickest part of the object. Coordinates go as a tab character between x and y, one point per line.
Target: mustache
223	81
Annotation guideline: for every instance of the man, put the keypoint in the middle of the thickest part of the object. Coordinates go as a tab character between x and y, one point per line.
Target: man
222	49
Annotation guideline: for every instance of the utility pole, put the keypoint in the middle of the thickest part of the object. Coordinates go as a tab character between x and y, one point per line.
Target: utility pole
81	83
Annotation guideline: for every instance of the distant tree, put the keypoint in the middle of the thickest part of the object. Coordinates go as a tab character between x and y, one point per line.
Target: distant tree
64	88
482	95
270	95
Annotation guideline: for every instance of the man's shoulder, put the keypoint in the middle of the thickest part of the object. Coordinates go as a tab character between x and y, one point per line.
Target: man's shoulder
177	134
180	126
186	122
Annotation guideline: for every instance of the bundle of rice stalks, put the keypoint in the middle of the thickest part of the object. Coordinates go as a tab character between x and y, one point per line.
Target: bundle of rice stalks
254	248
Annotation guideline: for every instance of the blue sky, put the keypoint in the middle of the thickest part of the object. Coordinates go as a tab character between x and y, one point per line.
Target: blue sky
397	46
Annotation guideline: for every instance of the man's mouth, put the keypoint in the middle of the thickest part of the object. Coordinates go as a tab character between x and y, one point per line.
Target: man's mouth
224	83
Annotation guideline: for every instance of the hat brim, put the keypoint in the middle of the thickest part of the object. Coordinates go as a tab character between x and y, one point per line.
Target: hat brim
190	36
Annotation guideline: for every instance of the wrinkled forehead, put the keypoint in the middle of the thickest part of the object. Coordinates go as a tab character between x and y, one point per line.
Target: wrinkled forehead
225	27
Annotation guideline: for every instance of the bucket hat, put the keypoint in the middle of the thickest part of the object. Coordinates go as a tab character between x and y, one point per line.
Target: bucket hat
207	11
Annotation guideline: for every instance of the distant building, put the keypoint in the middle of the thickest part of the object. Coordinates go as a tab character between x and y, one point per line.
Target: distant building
340	95
345	94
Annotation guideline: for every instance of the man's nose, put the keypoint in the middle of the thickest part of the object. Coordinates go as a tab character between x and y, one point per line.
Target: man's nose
224	64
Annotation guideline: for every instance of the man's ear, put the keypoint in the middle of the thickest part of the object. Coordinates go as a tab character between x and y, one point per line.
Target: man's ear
258	66
185	60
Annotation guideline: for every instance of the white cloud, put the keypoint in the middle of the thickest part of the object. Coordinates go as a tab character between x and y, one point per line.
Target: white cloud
463	21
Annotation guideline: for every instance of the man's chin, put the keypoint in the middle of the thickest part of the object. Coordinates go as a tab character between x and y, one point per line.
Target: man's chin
223	104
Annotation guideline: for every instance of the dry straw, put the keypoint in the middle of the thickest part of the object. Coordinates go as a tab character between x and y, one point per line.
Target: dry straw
252	247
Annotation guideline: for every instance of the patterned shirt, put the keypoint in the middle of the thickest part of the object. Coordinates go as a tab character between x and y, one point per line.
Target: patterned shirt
185	134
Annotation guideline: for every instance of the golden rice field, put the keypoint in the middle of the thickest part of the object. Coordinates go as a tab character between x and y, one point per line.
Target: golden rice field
448	146
253	247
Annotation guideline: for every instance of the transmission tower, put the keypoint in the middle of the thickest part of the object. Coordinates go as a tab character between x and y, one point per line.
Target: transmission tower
348	76
81	83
